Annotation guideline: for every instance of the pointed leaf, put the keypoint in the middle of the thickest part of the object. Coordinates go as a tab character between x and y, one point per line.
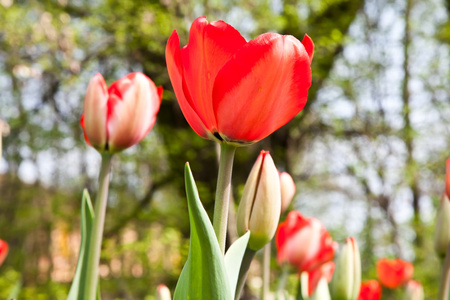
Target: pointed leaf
233	259
204	274
87	219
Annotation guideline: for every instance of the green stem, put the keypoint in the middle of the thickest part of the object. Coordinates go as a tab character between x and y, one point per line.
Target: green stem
282	281
445	277
266	272
91	279
245	266
223	192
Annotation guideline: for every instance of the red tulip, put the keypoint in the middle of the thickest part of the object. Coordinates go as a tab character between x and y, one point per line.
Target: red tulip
370	290
3	251
236	91
326	270
304	242
121	116
287	190
394	273
447	179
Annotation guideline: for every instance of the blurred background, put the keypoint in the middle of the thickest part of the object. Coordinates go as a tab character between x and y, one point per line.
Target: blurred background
367	153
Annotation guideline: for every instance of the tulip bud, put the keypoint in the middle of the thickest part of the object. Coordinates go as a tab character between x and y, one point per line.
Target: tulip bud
287	190
442	229
3	251
346	281
322	292
414	291
326	271
260	206
163	293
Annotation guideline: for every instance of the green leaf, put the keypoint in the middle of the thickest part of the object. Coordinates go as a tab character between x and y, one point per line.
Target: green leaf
16	290
87	219
204	275
233	259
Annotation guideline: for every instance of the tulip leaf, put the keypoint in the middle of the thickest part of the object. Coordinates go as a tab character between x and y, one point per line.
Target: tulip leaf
204	275
87	219
233	259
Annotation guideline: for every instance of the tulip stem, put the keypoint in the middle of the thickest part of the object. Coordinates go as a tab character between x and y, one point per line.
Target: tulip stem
266	272
445	277
91	279
223	192
243	272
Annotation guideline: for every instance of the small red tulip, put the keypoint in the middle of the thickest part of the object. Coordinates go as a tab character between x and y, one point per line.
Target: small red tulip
394	273
304	242
326	270
3	251
370	290
236	91
121	116
287	190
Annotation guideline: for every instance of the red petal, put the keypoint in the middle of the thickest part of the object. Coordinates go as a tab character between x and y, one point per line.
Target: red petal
309	46
174	67
262	87
133	104
210	46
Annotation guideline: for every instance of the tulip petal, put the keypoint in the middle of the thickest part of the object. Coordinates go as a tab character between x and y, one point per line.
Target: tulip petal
95	112
210	46
132	107
262	87
309	46
175	69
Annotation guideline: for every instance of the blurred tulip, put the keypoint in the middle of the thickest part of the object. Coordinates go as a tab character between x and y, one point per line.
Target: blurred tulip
347	277
287	190
121	116
259	209
324	271
394	273
414	291
304	242
235	91
442	229
370	290
163	293
321	292
3	251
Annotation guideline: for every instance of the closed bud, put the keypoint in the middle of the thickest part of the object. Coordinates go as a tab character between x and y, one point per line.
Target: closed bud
414	291
442	229
260	206
322	292
287	190
346	280
163	293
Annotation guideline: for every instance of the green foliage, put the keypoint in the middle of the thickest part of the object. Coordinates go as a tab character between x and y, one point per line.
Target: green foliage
204	275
